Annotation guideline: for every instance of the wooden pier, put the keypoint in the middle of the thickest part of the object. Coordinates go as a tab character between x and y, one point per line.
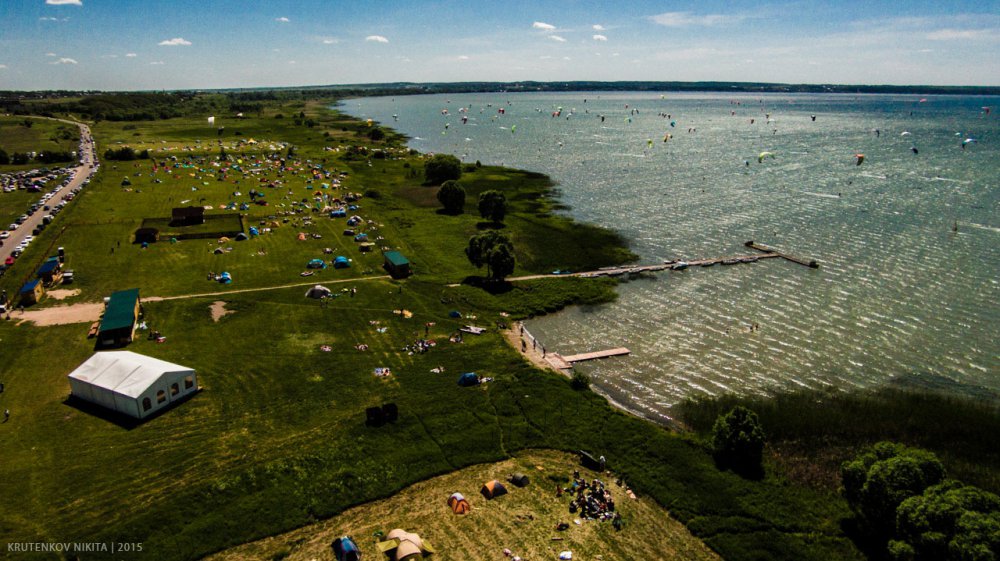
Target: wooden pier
766	252
566	362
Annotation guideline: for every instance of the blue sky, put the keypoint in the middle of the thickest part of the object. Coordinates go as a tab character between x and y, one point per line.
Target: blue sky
182	44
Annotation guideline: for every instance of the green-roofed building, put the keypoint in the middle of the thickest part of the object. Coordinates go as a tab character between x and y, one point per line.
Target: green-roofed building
120	316
397	265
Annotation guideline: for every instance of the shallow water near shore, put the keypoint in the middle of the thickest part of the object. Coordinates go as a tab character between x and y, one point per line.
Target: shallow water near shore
900	295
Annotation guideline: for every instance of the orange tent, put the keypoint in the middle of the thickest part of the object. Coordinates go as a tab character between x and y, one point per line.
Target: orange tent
493	489
458	504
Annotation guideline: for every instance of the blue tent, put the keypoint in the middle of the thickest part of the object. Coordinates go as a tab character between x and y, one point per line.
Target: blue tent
338	213
341	262
455	314
344	549
316	264
225	278
361	238
469	379
254	231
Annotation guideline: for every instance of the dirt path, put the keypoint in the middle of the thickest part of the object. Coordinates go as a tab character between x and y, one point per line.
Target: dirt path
62	315
533	353
261	289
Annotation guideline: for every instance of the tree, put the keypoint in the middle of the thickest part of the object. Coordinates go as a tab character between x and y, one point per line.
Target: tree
441	168
738	441
493	249
376	134
4	157
451	195
928	526
881	478
492	205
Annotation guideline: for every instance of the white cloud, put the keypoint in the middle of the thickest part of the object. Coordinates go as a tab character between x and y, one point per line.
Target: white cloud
686	19
64	2
543	26
598	27
545	57
600	38
156	63
463	57
50	54
291	62
962	34
2	66
109	56
131	55
557	38
566	58
64	61
329	40
175	42
377	39
48	18
282	19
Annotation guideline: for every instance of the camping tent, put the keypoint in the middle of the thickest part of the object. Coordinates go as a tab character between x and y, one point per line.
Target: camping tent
225	278
341	262
318	292
519	480
469	379
316	264
493	489
344	549
458	503
401	545
588	461
241	237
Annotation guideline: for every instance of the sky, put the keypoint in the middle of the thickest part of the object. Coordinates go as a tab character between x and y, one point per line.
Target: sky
204	44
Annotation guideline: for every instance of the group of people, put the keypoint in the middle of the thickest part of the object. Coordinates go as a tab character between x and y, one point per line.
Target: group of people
419	346
591	499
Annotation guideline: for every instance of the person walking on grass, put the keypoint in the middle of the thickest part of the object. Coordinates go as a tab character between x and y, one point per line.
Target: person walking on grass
6	415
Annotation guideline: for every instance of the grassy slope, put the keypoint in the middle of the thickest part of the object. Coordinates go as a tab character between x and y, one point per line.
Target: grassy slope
41	136
276	440
491	526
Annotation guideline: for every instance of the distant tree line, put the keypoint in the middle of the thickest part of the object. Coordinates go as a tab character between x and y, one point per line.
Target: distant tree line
21	158
125	153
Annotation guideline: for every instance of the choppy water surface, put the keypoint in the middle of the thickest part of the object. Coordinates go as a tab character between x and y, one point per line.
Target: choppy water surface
899	294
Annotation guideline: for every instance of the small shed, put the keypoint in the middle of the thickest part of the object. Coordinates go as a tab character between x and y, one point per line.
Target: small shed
147	235
396	265
120	316
187	216
50	272
31	292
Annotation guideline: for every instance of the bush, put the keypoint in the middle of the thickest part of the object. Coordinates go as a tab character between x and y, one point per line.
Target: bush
451	195
441	168
580	381
738	441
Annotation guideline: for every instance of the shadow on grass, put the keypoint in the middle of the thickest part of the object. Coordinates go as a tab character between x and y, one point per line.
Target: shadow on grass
120	419
446	212
486	225
494	287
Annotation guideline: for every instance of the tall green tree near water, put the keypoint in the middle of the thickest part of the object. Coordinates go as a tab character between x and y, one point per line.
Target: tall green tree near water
441	168
451	195
493	249
738	441
493	205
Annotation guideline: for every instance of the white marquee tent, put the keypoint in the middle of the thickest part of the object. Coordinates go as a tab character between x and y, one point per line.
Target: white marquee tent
131	383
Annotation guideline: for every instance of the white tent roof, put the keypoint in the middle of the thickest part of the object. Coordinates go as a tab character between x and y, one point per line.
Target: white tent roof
124	372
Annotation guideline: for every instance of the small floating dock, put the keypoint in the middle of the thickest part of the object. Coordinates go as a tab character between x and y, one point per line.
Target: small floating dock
619	351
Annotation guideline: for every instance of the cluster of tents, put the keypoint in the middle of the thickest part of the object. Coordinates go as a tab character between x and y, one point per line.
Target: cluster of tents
490	490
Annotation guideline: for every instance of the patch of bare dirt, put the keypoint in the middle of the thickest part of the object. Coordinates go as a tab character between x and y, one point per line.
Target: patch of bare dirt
62	315
219	310
63	293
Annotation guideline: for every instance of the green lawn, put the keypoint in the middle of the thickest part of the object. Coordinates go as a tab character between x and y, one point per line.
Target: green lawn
276	439
43	135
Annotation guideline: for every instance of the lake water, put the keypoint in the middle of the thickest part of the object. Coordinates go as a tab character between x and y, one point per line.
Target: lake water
900	297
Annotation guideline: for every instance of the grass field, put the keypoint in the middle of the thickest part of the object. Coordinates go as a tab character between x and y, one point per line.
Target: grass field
276	440
43	135
523	521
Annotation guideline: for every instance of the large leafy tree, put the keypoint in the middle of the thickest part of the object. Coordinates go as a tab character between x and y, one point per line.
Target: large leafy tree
452	196
493	205
494	250
948	521
442	167
738	441
881	478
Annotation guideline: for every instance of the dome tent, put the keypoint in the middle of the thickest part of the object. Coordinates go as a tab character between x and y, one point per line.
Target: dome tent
493	489
458	504
318	291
